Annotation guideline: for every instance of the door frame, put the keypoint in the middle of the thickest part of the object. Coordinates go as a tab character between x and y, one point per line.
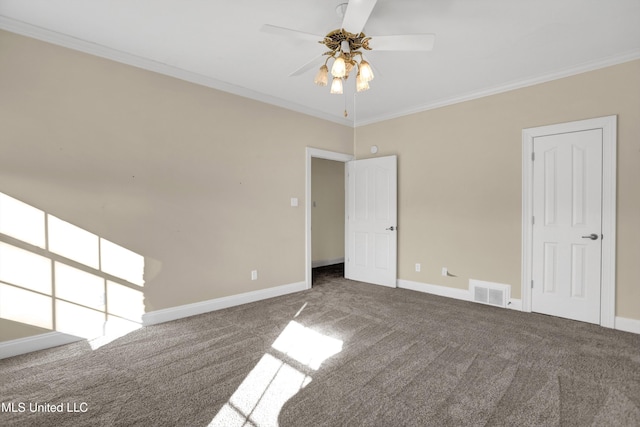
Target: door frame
608	125
319	154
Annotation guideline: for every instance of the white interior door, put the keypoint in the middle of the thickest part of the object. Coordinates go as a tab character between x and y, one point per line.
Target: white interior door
567	225
371	225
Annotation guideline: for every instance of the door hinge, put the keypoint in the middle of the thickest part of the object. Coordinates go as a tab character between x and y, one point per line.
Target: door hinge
531	283
533	156
533	220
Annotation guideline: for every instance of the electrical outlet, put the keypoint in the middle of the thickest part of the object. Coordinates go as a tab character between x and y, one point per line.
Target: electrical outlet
254	274
445	272
418	267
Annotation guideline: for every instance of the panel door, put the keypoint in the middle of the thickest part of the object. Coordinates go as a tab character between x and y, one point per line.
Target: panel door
567	225
371	243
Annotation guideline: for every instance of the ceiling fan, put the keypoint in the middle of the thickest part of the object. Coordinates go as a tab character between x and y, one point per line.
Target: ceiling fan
347	43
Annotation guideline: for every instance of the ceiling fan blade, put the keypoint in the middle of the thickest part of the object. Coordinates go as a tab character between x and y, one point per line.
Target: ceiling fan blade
293	34
357	14
314	63
408	42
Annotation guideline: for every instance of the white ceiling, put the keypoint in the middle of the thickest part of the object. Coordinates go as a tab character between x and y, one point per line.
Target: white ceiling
482	47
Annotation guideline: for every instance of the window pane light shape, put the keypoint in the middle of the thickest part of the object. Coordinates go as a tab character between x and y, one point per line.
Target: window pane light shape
339	68
305	345
259	400
25	269
287	383
25	306
366	72
322	78
73	242
336	86
79	321
114	328
125	302
121	262
21	221
79	286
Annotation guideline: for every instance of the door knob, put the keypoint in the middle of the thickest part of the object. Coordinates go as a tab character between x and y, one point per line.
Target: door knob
391	228
592	236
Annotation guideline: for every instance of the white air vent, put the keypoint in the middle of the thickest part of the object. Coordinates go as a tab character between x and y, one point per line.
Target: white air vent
496	294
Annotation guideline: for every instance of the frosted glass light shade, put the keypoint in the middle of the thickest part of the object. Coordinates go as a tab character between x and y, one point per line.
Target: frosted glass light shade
365	71
336	86
361	84
322	78
339	68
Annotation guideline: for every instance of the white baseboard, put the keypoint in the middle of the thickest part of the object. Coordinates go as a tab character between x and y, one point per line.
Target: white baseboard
514	304
325	262
621	323
627	325
187	310
55	339
37	342
443	291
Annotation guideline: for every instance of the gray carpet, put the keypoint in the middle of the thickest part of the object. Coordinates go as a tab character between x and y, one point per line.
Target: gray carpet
342	354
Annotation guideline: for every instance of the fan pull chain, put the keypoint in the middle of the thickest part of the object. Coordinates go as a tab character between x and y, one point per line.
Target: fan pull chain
345	105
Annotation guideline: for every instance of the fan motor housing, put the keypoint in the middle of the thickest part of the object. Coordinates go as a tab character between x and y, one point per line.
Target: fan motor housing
334	40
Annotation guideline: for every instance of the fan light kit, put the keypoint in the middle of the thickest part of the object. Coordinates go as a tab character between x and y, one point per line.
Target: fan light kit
345	52
347	44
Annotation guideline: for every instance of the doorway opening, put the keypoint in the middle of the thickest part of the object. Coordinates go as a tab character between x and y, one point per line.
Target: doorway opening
323	259
327	219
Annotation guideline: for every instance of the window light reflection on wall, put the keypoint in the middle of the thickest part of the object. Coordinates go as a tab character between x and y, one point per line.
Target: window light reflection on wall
48	265
22	221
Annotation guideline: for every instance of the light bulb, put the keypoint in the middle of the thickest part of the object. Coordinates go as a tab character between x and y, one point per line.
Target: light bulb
336	86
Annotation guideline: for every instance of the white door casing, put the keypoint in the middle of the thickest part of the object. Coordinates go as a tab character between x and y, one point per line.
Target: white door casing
567	225
575	251
320	154
371	226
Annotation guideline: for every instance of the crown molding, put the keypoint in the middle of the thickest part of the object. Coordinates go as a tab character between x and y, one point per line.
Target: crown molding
28	30
518	84
59	39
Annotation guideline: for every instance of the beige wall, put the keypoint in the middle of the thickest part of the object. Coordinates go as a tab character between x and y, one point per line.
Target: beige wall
327	215
199	181
196	180
460	178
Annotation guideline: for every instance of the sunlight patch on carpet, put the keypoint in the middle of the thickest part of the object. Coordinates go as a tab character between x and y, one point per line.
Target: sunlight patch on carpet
306	345
262	394
272	382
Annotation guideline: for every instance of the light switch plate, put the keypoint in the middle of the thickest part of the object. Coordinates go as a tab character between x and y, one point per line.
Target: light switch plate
294	202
